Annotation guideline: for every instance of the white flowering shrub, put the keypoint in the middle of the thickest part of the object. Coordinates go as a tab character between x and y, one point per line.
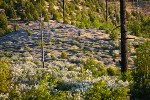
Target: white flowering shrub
57	82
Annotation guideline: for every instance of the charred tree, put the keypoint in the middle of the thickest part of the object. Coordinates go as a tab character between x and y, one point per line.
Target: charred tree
63	11
41	30
124	52
106	11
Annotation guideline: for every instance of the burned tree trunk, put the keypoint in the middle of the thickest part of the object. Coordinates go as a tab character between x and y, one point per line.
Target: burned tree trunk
63	11
124	52
106	11
41	30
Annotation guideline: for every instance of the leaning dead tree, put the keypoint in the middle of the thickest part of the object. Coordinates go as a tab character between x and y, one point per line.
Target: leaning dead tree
124	52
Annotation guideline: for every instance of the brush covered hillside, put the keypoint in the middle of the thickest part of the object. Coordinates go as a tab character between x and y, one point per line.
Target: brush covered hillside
81	55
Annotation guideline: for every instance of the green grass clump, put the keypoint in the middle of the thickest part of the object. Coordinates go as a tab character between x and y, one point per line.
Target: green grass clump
64	55
7	54
28	31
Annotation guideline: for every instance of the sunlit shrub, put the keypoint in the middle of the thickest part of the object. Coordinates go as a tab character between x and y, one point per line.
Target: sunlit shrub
111	71
100	92
64	55
16	27
7	54
5	75
114	35
141	75
96	68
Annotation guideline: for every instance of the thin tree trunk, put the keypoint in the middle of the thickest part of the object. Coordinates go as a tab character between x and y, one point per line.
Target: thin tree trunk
137	5
106	11
124	52
115	13
63	11
42	47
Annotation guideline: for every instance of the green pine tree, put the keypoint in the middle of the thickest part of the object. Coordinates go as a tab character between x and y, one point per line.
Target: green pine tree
141	75
3	21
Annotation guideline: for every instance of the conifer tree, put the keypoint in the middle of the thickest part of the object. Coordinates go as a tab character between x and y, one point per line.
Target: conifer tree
141	75
11	13
3	21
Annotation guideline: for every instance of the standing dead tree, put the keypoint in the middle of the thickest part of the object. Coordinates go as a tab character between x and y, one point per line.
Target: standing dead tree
124	52
63	11
106	11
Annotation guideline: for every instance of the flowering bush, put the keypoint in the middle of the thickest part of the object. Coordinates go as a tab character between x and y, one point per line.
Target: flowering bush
56	82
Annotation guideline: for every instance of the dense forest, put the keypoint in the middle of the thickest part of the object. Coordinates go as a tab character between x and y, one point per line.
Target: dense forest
77	66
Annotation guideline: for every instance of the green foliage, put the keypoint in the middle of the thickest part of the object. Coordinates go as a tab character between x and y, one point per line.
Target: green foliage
96	68
99	92
3	21
111	71
64	55
9	30
44	91
146	27
11	13
71	68
14	94
28	31
93	17
53	40
108	31
114	35
56	16
135	28
46	18
23	16
16	27
128	16
27	48
106	26
127	76
5	75
141	75
140	26
35	15
29	16
39	43
2	32
54	57
40	93
66	21
7	54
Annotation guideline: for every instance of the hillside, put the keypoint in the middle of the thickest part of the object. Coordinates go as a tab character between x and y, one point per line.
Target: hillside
82	59
74	62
